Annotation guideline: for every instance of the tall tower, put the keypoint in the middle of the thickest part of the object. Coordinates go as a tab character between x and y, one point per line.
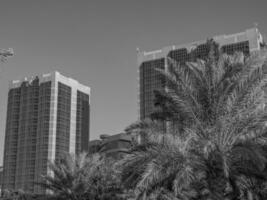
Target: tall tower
149	79
47	116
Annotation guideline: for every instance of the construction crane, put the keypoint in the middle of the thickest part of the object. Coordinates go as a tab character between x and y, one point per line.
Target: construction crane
5	53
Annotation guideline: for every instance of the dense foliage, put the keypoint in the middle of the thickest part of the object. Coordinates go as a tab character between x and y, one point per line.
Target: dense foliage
83	177
214	146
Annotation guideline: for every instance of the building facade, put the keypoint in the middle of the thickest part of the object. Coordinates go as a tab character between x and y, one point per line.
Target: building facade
149	79
47	117
112	145
94	146
116	145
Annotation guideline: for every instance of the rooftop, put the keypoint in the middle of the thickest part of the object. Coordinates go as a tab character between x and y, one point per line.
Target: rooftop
252	35
47	77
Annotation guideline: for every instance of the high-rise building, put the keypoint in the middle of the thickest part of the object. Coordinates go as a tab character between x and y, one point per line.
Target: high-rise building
149	79
47	117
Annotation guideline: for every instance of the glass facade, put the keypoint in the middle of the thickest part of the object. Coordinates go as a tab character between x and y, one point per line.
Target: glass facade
42	148
82	122
43	117
63	120
180	55
11	138
183	55
240	46
149	81
26	151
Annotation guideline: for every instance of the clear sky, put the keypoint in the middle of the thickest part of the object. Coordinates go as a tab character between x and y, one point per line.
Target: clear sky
95	42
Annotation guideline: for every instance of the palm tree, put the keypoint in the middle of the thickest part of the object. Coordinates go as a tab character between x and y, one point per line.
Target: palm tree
66	179
82	177
217	108
158	163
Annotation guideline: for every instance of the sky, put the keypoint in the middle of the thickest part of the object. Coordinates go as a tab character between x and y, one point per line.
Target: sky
95	41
